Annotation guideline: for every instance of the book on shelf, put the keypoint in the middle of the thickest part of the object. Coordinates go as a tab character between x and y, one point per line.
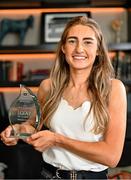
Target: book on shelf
16	71
11	70
37	75
4	70
122	65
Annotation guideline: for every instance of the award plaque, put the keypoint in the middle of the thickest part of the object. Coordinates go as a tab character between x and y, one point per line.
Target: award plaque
24	114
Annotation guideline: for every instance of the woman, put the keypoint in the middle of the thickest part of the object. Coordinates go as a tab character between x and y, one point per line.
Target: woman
82	105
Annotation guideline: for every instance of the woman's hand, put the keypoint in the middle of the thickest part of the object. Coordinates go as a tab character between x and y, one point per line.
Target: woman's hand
6	137
42	140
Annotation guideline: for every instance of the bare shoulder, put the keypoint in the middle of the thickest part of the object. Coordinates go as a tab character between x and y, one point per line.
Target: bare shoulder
117	85
118	91
45	85
43	90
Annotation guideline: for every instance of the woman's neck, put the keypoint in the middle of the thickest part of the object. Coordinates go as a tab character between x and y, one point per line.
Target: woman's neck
78	79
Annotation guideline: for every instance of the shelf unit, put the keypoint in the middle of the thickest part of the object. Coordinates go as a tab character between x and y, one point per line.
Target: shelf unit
47	50
124	47
63	4
28	49
24	58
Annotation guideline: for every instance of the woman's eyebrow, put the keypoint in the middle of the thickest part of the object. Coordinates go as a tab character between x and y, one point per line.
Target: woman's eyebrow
72	37
86	38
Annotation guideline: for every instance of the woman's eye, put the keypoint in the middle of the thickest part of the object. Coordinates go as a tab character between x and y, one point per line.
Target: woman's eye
71	41
87	42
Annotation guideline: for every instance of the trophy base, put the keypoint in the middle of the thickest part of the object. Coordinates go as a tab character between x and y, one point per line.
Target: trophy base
23	135
20	135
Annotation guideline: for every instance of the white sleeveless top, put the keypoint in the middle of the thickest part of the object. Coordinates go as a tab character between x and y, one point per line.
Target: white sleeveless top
71	123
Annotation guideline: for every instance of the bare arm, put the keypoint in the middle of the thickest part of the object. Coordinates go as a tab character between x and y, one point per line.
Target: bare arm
109	150
43	90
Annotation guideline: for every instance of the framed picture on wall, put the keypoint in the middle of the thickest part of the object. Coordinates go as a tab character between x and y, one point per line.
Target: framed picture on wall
52	25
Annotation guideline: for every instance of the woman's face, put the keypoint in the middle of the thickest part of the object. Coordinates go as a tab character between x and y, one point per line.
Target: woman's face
80	48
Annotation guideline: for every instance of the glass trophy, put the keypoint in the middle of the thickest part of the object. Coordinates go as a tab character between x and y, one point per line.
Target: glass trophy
24	114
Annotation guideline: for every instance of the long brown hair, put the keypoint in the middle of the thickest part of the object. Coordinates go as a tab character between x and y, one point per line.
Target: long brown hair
99	83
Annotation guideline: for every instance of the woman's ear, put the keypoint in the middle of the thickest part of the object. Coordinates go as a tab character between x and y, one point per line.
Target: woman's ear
97	52
63	50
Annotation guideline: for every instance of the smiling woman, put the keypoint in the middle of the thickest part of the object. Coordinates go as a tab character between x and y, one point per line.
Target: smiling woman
82	105
80	48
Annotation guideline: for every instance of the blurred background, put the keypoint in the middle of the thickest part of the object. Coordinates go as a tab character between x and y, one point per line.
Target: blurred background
29	33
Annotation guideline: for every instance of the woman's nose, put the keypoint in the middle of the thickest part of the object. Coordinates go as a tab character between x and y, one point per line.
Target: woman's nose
79	47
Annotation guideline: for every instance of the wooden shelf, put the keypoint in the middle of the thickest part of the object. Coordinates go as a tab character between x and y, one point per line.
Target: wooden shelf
35	83
45	48
124	46
127	82
61	3
51	48
17	83
16	89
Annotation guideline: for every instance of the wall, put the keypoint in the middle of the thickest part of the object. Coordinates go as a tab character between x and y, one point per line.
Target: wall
103	16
